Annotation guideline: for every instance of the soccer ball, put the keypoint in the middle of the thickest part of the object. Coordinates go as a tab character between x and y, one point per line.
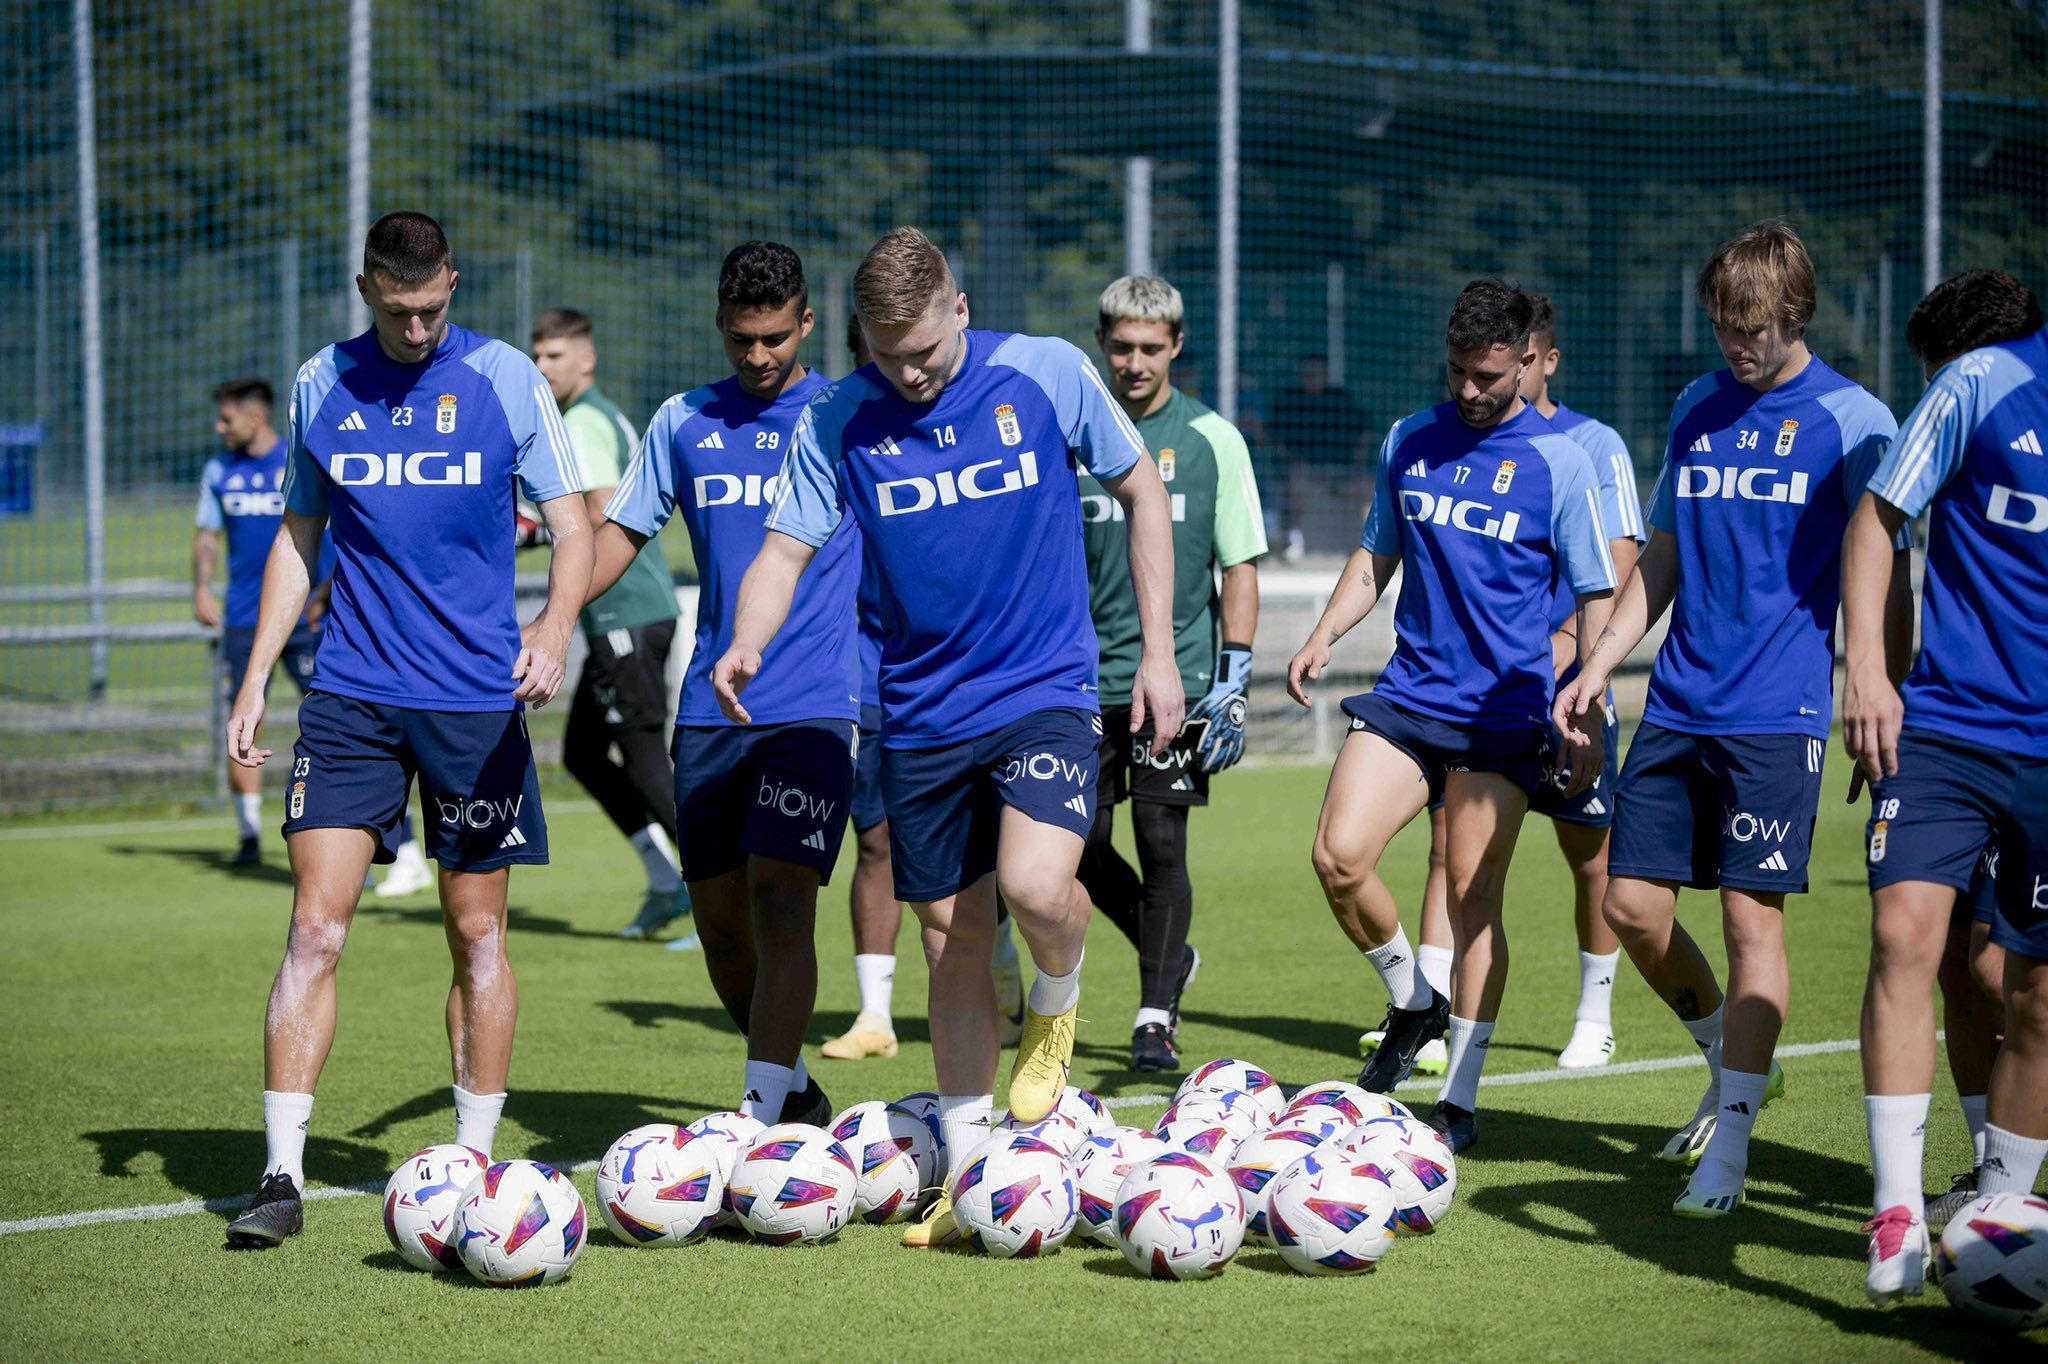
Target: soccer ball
1257	1164
1383	1106
924	1106
1229	1107
733	1133
1211	1140
1014	1197
1418	1169
420	1203
1241	1076
1087	1112
1343	1098
894	1157
1099	1172
795	1183
1055	1129
1330	1215
1179	1217
1993	1260
520	1225
660	1186
1317	1120
1412	1131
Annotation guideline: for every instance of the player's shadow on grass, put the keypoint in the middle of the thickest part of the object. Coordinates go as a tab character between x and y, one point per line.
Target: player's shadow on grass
569	1126
1310	1034
213	860
223	1163
517	918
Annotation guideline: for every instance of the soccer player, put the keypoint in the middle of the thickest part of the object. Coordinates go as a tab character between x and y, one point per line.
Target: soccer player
760	811
955	452
1763	463
407	440
1958	764
621	701
1217	527
1485	508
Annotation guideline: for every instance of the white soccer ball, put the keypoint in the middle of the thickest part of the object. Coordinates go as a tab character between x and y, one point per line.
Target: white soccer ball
734	1132
1099	1171
1055	1129
1319	1121
924	1106
420	1203
521	1225
1229	1107
794	1184
1014	1197
1993	1260
1330	1215
1412	1131
1086	1111
661	1186
1341	1097
895	1160
1241	1076
1257	1164
1179	1217
1417	1167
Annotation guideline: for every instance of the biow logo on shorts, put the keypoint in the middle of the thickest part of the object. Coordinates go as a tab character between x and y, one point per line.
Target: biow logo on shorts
1742	826
1046	767
793	801
466	812
902	496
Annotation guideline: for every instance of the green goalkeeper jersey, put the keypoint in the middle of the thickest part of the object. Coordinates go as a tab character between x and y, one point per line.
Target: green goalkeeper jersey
1216	524
644	593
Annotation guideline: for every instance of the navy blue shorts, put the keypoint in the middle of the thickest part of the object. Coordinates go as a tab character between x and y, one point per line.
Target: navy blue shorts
946	804
237	642
353	766
1710	810
1439	747
776	791
868	810
1958	814
1593	806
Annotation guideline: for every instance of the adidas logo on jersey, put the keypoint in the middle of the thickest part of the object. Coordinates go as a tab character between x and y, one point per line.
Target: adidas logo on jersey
514	839
1775	862
886	446
354	422
714	441
1702	446
816	842
1079	805
1416	470
2028	443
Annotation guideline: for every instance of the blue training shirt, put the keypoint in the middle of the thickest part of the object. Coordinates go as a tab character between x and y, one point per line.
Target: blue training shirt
1487	524
972	517
870	604
1621	506
1974	455
718	451
413	465
1757	489
242	496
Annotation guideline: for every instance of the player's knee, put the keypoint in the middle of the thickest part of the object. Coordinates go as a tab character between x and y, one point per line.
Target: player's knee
315	941
1037	893
1627	914
1987	969
1901	947
1341	866
2026	1003
474	935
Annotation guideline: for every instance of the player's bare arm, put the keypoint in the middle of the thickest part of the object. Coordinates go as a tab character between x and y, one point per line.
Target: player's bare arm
616	548
1644	598
765	596
1359	588
1156	691
544	645
287	579
1872	713
1240	601
1585	742
205	556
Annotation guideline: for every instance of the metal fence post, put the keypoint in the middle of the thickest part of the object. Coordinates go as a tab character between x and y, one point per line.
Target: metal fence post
1930	154
1227	96
91	343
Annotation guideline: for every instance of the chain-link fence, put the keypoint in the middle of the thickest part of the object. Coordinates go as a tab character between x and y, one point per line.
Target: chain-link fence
1318	178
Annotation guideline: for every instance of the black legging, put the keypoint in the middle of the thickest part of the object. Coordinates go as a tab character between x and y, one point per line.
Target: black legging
640	789
1153	910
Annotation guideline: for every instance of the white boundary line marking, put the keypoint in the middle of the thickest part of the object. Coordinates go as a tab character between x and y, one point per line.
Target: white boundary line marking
156	1212
222	821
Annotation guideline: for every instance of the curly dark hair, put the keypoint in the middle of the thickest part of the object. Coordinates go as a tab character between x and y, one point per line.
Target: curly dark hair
762	275
1963	312
1542	318
1488	313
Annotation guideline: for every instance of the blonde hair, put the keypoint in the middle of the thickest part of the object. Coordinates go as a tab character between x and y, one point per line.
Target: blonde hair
900	278
1141	298
1760	275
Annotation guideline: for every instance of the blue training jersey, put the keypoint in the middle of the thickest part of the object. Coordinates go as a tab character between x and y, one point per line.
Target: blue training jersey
1487	524
414	465
972	516
1614	475
1974	455
717	452
242	496
870	638
1757	489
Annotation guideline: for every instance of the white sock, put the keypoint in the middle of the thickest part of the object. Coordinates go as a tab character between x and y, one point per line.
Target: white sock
1727	1153
1395	961
1898	1147
876	974
1436	967
1973	1114
658	860
1051	994
2011	1162
1006	946
768	1085
1596	987
1159	1016
409	852
1468	1043
285	1118
1706	1034
248	812
476	1118
964	1121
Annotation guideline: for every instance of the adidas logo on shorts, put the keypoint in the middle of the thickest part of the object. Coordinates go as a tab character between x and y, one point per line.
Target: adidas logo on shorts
514	839
1775	862
816	842
1079	805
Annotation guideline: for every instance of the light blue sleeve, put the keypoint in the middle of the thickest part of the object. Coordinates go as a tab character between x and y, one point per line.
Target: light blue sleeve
547	464
1868	429
809	504
305	482
1382	533
646	495
1930	446
1621	507
1578	533
209	515
1095	427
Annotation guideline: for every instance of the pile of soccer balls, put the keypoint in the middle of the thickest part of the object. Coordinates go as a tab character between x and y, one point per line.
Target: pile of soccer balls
1329	1180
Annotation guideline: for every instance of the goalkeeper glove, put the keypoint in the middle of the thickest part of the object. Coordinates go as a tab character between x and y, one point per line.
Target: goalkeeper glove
1222	710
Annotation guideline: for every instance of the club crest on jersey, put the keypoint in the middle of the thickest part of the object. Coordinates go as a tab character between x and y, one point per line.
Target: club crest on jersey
1006	425
1505	479
1878	832
444	415
1786	433
1166	465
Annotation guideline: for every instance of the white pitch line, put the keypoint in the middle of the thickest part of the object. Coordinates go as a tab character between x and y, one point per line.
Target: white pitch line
155	1212
133	828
